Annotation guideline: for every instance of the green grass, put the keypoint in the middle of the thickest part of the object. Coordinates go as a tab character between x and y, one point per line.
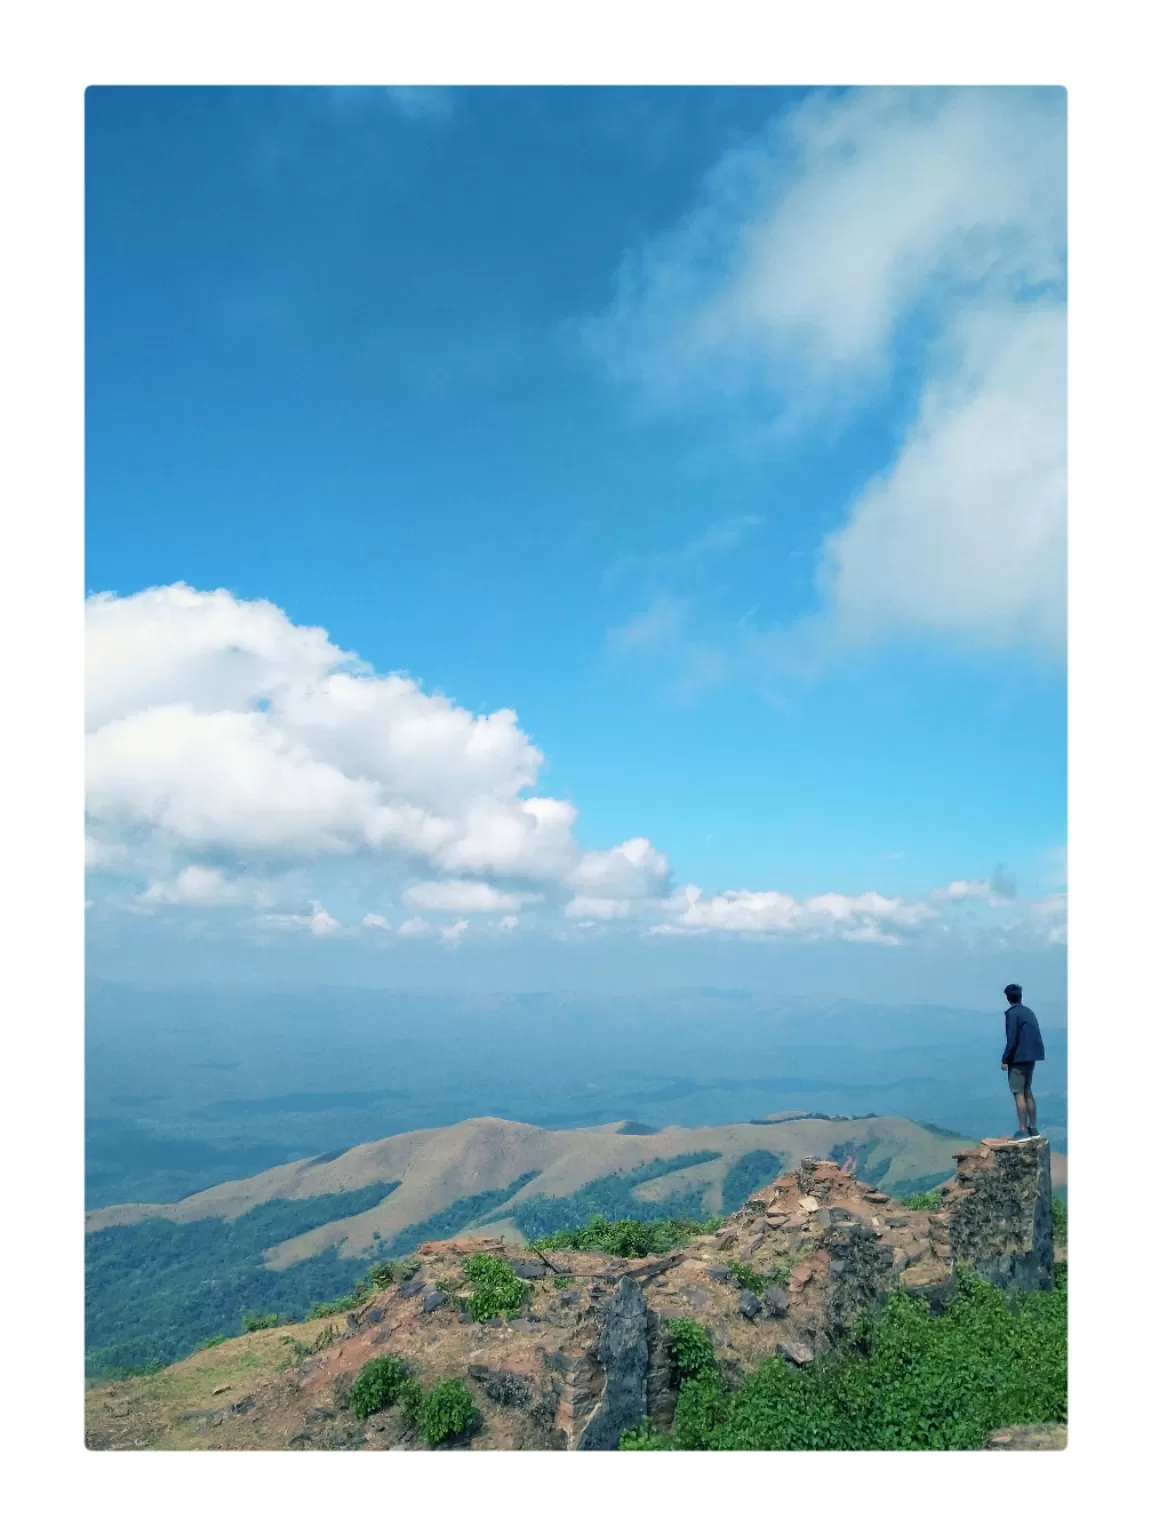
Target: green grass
750	1279
629	1239
923	1200
906	1379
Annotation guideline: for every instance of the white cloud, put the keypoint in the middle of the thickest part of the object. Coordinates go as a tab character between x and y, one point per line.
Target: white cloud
220	731
966	890
919	225
965	534
865	918
416	928
1051	913
320	923
465	896
632	869
229	748
105	856
598	909
197	886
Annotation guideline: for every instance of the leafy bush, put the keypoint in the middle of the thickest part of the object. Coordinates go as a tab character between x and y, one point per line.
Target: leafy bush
217	1338
448	1410
628	1238
701	1412
256	1322
923	1200
495	1287
392	1272
1059	1220
645	1438
377	1386
751	1279
411	1400
905	1379
690	1345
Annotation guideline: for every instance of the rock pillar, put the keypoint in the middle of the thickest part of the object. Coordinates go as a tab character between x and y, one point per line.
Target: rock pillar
997	1214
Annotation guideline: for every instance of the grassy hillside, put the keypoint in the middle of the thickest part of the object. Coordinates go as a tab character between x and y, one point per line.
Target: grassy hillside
162	1278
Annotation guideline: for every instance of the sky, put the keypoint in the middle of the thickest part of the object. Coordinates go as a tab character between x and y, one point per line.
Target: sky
590	536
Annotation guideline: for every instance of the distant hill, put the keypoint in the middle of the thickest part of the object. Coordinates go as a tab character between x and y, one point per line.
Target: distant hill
435	1168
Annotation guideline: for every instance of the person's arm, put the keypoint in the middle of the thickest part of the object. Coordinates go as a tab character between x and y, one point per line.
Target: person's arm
1012	1034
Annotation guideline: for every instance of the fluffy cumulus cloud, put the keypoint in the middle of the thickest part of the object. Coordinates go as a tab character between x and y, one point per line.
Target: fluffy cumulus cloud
222	736
870	231
235	760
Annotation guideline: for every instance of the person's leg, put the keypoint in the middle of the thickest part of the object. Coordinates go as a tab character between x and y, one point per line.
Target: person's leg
1030	1105
1022	1109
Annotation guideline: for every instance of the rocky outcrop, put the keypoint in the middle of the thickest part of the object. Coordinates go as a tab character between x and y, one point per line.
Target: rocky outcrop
588	1357
623	1353
997	1214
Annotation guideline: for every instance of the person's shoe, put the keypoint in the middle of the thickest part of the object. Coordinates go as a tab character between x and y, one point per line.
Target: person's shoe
1019	1135
1032	1131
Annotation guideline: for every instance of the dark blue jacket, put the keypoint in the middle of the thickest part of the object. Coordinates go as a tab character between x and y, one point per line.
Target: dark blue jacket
1022	1036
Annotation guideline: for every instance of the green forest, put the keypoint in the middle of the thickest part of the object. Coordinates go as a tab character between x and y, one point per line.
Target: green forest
158	1289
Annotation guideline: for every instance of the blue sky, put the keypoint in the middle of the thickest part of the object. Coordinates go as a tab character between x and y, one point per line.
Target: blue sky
718	434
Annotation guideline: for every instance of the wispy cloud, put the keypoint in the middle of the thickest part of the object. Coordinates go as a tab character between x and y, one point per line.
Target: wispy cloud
872	228
431	104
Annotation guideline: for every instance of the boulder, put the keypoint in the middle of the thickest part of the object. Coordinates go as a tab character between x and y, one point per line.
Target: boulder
623	1353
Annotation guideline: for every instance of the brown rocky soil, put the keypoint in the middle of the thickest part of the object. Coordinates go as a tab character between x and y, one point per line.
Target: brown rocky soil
587	1356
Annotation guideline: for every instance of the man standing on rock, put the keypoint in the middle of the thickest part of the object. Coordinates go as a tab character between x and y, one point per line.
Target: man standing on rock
1023	1048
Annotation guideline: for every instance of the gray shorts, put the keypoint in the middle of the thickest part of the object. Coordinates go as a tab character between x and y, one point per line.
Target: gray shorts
1020	1077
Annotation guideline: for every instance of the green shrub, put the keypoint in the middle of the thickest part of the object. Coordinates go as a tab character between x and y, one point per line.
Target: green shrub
628	1239
923	1200
495	1287
392	1272
905	1379
411	1399
377	1386
690	1345
645	1438
217	1338
751	1279
448	1410
256	1322
701	1411
1059	1220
